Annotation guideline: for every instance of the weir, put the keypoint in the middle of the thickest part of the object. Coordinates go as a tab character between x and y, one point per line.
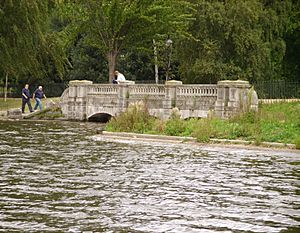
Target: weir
84	100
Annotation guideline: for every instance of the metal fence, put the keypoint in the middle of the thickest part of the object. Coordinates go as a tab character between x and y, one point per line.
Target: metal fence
277	89
50	90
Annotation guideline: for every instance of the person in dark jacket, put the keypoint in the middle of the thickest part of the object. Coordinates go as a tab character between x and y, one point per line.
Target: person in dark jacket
38	95
26	98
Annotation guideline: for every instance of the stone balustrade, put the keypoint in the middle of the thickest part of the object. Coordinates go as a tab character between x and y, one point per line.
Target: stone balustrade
105	89
197	90
145	89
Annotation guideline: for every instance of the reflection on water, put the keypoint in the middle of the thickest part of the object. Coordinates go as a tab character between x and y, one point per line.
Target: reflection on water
56	178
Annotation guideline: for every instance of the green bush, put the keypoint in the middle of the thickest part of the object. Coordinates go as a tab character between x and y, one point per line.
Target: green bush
135	119
175	126
203	130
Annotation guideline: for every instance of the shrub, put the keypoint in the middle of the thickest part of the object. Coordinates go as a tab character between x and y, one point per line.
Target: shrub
203	130
175	126
135	119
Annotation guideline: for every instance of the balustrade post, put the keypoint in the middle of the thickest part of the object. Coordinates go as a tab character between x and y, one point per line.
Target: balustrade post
170	97
78	90
123	95
234	97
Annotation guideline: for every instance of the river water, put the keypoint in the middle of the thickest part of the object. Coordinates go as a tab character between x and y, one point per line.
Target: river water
56	178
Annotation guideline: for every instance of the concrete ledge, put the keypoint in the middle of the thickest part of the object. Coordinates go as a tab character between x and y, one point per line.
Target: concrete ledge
127	82
234	83
173	83
147	137
80	82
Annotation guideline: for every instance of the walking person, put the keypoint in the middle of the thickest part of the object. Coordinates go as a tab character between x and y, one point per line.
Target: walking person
38	95
26	98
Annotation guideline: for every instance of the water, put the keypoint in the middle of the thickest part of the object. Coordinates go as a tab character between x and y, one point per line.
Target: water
56	178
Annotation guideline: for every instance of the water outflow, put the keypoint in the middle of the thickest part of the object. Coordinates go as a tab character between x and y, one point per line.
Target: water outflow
56	178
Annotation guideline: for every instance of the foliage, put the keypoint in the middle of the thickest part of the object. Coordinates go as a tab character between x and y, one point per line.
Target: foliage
87	63
112	26
235	39
27	44
297	143
203	131
175	126
59	40
135	119
273	123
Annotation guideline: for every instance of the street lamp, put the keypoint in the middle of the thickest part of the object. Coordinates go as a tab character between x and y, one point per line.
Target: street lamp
169	43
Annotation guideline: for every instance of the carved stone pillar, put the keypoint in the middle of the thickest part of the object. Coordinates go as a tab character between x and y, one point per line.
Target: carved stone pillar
78	91
234	97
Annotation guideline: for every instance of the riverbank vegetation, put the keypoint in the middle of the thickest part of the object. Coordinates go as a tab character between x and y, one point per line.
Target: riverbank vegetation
278	122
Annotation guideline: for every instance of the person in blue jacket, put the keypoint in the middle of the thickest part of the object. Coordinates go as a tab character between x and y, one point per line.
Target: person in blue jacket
26	98
38	95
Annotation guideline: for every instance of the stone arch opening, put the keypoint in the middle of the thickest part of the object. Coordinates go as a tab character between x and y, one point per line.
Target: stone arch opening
100	117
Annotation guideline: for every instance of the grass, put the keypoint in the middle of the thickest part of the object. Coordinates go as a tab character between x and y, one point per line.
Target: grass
17	103
278	122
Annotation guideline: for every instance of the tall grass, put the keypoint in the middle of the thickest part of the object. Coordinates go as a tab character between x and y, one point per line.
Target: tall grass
135	119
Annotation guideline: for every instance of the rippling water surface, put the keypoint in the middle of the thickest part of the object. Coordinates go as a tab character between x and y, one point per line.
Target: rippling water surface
56	178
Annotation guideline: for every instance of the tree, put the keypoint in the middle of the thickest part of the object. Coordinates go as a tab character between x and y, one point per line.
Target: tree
27	45
112	25
291	65
235	39
87	63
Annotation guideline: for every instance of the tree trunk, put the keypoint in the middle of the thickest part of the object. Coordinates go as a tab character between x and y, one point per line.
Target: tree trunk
155	62
112	58
6	84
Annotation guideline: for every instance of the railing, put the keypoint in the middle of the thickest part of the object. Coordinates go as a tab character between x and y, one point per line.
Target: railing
197	90
272	101
106	89
277	89
147	90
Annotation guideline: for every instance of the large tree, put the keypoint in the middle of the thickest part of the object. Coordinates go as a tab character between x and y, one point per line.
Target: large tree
114	25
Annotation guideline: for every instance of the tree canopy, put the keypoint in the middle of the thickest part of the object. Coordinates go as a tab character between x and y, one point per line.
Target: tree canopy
27	44
212	39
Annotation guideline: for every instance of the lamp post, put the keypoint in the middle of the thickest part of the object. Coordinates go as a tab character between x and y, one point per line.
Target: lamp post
169	43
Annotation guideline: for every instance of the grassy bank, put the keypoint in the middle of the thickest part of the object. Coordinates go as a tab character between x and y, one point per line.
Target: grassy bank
17	102
278	122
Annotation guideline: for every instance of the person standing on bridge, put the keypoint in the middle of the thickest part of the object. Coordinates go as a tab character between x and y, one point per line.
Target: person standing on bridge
26	98
38	95
120	77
